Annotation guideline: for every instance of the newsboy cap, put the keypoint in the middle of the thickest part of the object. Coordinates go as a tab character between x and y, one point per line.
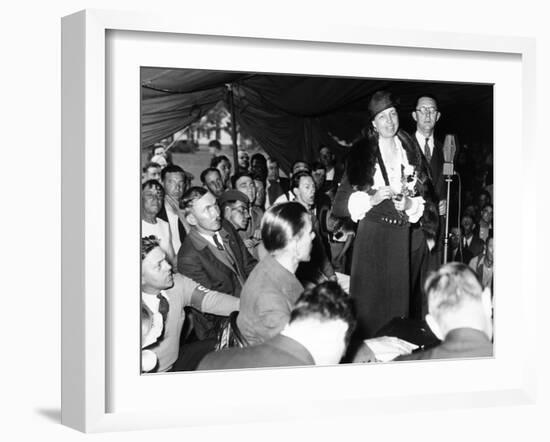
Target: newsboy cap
233	195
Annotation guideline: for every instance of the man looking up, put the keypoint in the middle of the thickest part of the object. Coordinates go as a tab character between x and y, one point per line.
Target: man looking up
175	182
319	267
213	253
234	206
243	161
252	235
212	181
275	185
151	171
166	294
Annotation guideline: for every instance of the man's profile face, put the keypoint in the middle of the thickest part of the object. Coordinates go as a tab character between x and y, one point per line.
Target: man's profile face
305	192
152	173
238	215
243	159
213	183
156	273
174	184
205	214
246	185
426	114
272	170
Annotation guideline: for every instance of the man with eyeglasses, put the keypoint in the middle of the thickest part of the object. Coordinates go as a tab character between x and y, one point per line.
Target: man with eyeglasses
425	256
234	206
426	114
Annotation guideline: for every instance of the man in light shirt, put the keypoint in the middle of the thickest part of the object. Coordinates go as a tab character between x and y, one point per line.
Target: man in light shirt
175	181
165	295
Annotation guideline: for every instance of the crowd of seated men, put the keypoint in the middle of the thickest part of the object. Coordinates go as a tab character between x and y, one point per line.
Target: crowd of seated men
261	258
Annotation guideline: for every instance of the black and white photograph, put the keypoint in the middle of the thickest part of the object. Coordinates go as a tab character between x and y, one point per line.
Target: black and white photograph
294	220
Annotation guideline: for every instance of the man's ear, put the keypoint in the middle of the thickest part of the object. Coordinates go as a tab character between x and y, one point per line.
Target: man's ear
191	219
225	210
294	191
434	326
413	113
438	116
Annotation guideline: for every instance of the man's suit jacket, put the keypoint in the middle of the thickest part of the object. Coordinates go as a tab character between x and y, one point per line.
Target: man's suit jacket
436	167
279	351
181	229
459	343
475	248
199	260
275	189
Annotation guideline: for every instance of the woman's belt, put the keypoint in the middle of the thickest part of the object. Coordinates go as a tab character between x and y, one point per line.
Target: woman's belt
386	215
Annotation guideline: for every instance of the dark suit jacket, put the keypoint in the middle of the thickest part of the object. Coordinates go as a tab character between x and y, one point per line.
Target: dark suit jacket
181	229
475	249
459	343
436	167
198	261
275	190
279	351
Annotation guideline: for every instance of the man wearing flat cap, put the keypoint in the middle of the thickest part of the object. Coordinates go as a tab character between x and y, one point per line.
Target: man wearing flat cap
234	206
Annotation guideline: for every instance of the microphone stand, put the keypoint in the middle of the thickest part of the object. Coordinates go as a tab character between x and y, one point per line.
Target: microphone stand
448	179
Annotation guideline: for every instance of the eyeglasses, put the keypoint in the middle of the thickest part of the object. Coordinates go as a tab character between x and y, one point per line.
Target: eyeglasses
427	110
242	210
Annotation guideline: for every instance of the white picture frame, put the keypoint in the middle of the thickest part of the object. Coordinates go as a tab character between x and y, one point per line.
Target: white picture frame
87	235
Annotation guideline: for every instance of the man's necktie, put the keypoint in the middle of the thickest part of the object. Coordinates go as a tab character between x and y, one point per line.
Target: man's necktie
228	255
218	243
164	306
427	152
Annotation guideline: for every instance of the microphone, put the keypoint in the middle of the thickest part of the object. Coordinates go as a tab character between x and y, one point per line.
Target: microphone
449	151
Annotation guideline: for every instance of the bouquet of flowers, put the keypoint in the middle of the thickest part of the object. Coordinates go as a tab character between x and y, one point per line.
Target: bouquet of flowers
408	185
408	180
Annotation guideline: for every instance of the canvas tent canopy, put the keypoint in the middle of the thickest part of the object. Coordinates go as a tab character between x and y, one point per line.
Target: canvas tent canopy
290	116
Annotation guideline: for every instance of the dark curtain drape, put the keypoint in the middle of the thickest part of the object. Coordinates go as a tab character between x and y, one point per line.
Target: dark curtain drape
291	116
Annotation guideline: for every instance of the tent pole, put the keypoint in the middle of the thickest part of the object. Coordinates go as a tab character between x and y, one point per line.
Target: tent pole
233	130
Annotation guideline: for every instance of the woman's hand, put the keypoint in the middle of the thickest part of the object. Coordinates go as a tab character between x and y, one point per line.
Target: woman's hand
402	202
383	193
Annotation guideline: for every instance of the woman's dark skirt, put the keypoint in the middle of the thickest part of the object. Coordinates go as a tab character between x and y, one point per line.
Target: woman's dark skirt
380	269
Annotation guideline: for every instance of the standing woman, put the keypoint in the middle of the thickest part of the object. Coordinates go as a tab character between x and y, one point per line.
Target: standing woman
383	190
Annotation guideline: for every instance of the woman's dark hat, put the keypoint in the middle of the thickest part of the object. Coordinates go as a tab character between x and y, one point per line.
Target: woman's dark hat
379	102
